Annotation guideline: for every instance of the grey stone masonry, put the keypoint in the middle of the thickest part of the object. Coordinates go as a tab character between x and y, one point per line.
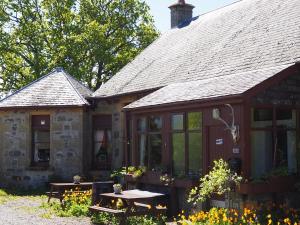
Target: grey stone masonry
66	147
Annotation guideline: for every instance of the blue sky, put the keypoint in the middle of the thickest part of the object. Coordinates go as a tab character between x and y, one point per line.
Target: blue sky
161	13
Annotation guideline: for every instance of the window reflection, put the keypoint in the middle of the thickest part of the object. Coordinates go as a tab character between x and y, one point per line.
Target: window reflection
177	122
194	120
155	150
155	123
178	144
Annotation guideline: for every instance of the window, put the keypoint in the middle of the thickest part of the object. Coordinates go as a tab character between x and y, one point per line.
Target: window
150	141
40	127
187	143
102	146
273	140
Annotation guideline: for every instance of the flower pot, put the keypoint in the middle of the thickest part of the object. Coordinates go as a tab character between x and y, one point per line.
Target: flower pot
117	189
76	180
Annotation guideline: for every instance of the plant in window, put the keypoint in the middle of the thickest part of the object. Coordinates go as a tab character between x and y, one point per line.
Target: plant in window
76	179
279	172
131	169
139	172
118	173
219	180
166	179
135	172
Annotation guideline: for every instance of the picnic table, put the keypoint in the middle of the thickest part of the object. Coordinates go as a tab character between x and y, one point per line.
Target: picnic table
137	203
58	189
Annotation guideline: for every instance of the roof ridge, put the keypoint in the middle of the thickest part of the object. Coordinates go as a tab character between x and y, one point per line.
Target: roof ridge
27	85
221	7
188	21
68	76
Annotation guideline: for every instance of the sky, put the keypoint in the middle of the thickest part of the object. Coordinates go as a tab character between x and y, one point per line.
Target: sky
161	12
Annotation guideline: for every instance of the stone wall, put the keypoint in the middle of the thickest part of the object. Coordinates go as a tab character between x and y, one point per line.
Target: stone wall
66	151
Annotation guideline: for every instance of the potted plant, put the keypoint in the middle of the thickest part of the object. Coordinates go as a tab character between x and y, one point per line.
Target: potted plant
166	179
117	188
118	175
76	179
220	180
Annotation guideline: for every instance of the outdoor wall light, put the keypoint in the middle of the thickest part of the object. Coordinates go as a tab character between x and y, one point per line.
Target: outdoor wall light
43	122
234	129
216	113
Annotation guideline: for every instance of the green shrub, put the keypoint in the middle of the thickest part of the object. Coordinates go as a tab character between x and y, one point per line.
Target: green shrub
218	181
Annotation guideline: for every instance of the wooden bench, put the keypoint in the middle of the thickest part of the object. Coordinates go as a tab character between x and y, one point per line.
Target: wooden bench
115	212
158	210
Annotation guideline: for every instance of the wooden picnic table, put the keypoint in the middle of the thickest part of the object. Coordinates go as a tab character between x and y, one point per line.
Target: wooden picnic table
57	189
137	203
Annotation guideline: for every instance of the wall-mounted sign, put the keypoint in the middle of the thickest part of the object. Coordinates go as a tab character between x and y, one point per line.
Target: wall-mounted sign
236	151
219	141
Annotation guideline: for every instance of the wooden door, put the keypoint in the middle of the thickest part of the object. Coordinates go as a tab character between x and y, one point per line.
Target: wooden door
219	147
220	144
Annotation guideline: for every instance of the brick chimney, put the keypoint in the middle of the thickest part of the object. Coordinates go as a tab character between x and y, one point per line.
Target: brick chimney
180	12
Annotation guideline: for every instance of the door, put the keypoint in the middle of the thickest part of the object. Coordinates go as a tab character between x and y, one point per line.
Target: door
219	147
220	144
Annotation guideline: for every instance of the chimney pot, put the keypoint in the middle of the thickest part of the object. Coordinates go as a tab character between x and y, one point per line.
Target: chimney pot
180	12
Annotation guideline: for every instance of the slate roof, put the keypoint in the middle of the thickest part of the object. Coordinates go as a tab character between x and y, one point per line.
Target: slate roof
57	88
229	85
242	37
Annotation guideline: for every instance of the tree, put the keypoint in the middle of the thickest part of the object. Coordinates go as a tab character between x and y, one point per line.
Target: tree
91	39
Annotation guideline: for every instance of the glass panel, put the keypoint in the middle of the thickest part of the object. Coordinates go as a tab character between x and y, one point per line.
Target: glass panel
194	120
41	144
177	122
195	154
155	123
178	144
141	124
102	149
155	150
262	147
142	150
286	118
261	118
285	152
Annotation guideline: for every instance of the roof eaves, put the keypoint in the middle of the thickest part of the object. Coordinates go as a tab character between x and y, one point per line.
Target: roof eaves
42	106
187	102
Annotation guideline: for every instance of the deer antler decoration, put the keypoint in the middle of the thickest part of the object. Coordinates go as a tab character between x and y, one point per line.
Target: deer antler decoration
234	129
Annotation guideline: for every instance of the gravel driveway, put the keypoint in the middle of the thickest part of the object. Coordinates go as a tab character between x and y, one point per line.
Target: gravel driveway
27	211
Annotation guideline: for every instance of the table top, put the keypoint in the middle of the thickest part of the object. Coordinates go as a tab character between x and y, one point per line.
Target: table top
133	195
72	184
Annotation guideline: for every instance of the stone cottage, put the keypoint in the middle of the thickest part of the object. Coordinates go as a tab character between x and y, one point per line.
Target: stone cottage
42	131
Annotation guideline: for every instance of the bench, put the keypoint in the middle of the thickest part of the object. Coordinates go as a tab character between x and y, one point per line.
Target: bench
158	210
115	212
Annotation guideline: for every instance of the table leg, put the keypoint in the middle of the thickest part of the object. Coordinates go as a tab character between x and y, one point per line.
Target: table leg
50	194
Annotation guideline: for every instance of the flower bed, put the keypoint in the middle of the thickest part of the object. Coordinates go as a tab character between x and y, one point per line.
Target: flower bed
269	214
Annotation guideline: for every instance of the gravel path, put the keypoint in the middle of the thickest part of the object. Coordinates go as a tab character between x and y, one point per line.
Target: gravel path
26	211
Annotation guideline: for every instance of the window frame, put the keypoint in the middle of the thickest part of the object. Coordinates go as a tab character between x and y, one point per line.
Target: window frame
101	125
274	128
186	131
39	127
147	132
